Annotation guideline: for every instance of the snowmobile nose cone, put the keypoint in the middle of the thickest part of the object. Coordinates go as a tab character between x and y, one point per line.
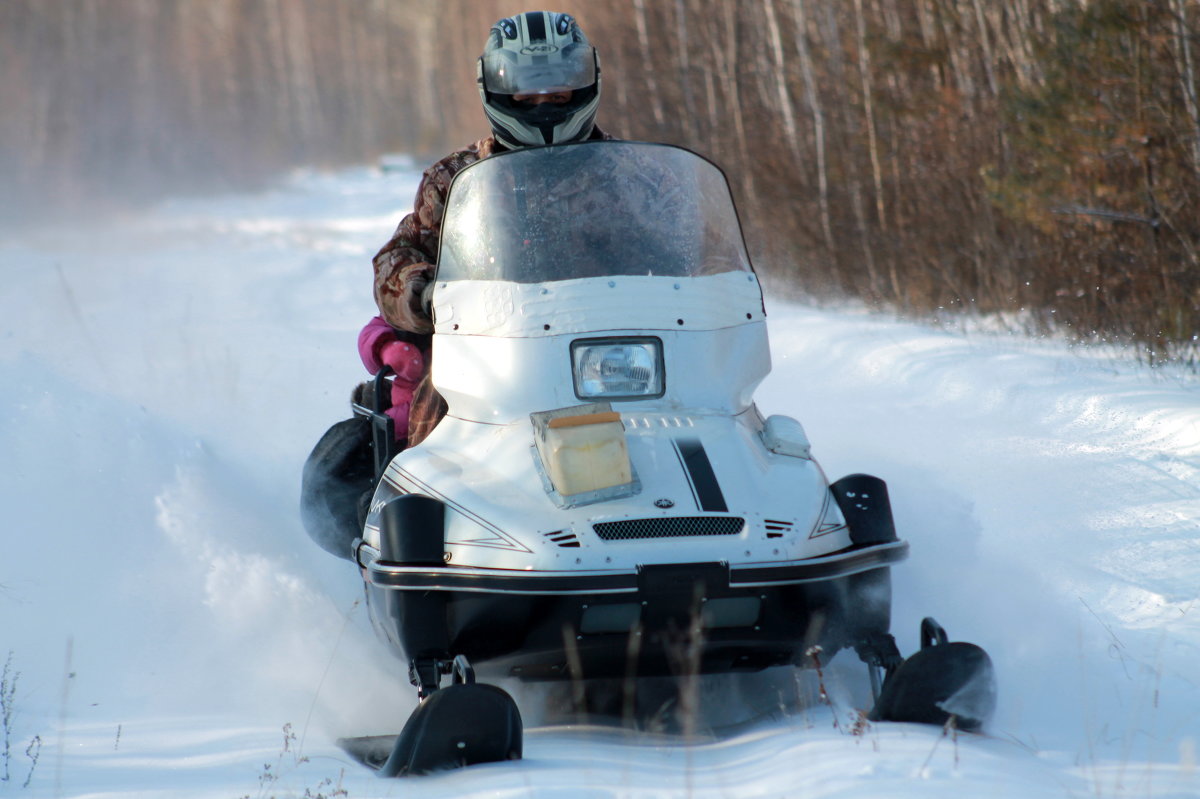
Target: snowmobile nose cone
940	681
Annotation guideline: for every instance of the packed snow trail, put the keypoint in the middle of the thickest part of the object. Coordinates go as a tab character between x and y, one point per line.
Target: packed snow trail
174	633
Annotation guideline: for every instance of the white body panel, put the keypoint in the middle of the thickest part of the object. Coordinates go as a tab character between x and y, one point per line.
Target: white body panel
501	517
602	479
499	363
637	246
502	350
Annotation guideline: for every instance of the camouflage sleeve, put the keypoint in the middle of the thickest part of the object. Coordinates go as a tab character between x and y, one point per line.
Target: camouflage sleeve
404	266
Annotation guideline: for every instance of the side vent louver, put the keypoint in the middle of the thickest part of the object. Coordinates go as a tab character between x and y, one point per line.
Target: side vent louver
777	529
562	538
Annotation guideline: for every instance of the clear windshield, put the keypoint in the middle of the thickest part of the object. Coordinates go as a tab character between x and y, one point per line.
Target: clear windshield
588	210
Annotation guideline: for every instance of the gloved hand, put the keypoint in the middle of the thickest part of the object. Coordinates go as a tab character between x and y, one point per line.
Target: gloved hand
404	359
399	292
417	279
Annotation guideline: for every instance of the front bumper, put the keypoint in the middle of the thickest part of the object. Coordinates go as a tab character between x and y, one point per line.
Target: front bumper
563	583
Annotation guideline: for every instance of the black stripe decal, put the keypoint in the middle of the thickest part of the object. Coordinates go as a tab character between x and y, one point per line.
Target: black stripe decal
535	23
683	465
701	476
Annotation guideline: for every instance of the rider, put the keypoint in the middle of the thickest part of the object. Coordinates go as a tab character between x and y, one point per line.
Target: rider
539	80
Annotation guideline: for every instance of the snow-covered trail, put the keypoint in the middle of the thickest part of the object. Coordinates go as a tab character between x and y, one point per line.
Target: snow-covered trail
162	380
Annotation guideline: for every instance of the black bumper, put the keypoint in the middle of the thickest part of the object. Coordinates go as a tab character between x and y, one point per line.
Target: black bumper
511	581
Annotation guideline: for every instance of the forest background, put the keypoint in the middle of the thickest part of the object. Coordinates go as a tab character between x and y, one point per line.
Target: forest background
1034	160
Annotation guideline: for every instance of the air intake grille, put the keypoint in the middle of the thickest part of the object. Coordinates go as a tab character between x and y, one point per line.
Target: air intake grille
671	527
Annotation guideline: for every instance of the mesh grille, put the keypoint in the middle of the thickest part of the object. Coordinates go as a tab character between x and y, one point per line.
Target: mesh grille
669	527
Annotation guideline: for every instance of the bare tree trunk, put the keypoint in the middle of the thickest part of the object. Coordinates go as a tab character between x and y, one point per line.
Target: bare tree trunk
710	96
929	35
844	125
1187	74
864	68
302	76
648	64
781	85
428	103
814	106
725	58
891	19
985	43
960	59
860	216
685	63
275	90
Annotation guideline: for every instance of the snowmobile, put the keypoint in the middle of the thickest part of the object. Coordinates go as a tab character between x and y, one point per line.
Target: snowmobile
603	499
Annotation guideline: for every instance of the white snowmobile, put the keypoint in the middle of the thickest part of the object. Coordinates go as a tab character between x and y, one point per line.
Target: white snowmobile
603	499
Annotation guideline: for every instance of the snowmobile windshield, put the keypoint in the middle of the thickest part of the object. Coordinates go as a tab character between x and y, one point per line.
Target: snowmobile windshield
590	209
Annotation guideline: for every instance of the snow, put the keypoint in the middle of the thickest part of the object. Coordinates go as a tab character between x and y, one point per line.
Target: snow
173	633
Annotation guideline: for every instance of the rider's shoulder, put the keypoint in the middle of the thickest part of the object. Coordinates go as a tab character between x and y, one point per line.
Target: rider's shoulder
443	171
448	167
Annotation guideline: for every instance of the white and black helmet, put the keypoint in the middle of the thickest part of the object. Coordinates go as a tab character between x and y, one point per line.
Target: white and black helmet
539	52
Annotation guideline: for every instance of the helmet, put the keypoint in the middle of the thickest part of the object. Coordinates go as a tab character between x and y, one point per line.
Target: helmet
539	52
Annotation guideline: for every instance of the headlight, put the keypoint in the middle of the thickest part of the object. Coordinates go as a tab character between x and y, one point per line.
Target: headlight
618	368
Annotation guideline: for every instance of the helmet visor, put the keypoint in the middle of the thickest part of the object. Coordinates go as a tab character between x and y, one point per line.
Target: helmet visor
570	68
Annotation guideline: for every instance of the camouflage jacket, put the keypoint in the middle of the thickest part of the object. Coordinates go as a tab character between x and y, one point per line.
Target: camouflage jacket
406	263
405	266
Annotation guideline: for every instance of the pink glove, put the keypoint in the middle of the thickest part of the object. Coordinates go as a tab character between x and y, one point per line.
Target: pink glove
405	359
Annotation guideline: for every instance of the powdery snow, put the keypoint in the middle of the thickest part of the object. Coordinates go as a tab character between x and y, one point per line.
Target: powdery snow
173	633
